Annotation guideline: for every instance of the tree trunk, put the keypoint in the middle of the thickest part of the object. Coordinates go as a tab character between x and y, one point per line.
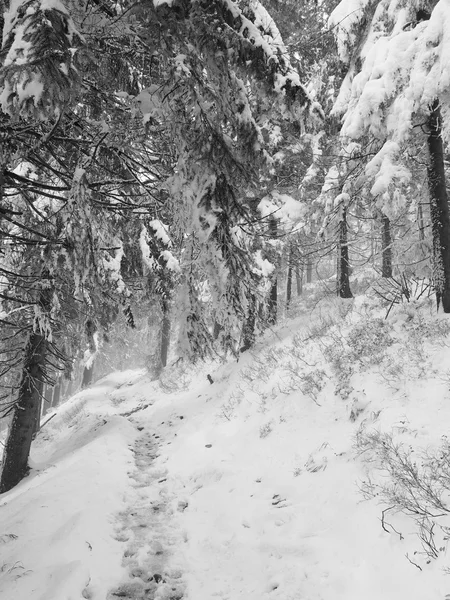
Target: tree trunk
343	261
289	286
69	389
290	274
386	245
217	330
165	335
87	375
440	218
248	330
39	406
26	413
27	410
57	393
372	241
88	370
273	303
309	270
273	295
47	399
299	279
420	223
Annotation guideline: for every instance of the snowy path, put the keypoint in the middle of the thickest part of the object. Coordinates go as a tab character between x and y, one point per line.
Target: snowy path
146	529
231	490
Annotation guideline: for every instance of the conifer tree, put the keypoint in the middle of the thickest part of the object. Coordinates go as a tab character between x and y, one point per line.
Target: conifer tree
77	156
396	73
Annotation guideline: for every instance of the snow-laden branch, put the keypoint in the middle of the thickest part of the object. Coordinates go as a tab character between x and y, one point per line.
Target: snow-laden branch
399	66
37	73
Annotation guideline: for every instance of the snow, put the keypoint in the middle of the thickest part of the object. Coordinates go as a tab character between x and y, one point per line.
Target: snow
112	267
263	33
405	68
64	542
148	259
21	25
149	102
345	19
286	209
18	52
248	488
264	267
397	68
160	231
384	169
172	263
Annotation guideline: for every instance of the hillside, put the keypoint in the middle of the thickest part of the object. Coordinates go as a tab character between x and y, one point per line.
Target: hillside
271	482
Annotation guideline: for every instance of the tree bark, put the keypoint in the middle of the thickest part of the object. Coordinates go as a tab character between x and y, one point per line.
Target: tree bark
26	413
440	217
39	405
88	372
69	389
309	270
386	247
273	303
290	275
165	335
273	295
289	286
27	410
343	260
47	399
217	330
248	330
420	223
299	279
56	393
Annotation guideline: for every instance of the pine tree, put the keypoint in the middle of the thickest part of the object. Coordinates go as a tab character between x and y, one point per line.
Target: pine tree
27	409
395	78
91	142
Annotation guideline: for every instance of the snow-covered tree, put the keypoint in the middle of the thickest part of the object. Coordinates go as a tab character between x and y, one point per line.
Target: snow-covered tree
115	113
395	91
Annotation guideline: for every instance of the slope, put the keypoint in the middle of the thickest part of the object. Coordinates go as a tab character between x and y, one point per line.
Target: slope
271	482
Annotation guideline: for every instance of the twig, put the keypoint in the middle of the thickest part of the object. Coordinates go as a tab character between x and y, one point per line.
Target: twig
384	523
49	419
413	563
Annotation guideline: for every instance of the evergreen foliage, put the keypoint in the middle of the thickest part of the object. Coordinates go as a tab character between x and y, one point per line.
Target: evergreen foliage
181	161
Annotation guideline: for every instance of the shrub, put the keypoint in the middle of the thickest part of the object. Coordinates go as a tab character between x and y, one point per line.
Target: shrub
415	485
266	429
369	340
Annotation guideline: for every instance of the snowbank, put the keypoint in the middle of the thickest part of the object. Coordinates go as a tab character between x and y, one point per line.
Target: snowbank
264	484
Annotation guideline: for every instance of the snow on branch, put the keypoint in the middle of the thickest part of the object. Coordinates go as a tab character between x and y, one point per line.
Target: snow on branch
403	71
345	20
155	242
284	208
37	75
385	170
254	25
259	48
112	268
399	66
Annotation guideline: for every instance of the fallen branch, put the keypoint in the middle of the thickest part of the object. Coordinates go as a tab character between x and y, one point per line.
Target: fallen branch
49	419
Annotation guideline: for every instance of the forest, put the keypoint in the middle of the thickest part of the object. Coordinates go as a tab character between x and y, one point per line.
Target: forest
224	299
175	173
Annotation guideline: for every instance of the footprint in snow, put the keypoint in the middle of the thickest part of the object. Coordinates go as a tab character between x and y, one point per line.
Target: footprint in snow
318	460
316	464
279	502
147	529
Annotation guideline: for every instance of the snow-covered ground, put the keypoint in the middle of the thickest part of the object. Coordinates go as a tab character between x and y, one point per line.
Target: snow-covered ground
257	486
